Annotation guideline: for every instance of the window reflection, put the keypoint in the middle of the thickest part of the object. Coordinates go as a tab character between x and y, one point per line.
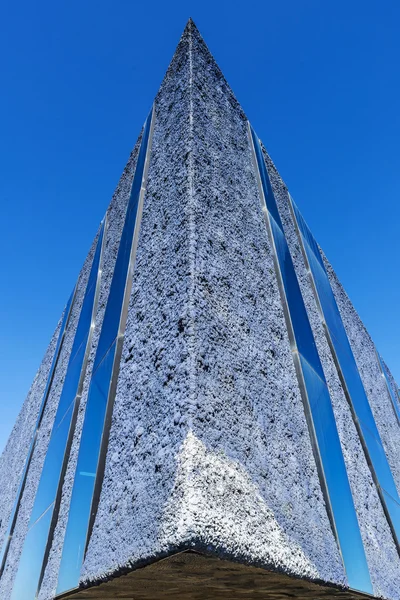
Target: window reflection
79	512
393	508
21	487
112	315
315	394
389	389
30	562
100	396
349	375
45	508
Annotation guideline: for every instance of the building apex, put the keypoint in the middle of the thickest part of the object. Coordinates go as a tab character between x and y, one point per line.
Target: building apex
191	27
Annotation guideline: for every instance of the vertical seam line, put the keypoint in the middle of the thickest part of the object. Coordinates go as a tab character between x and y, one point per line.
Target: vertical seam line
192	245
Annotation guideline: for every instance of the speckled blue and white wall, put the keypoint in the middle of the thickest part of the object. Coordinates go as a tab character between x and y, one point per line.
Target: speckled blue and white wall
209	444
34	400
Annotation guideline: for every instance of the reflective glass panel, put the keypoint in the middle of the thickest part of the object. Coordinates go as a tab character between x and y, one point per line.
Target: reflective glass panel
379	460
337	483
85	318
81	510
394	510
329	456
49	479
64	324
117	291
71	385
348	371
14	511
265	182
56	459
302	330
389	389
31	559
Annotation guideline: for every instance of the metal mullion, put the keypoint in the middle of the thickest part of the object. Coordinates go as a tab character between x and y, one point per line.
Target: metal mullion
15	510
75	404
394	403
115	316
343	382
295	353
120	339
366	582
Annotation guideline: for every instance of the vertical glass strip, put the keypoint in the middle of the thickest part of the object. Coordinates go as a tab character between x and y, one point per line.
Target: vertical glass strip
94	439
314	390
21	487
392	397
38	539
349	375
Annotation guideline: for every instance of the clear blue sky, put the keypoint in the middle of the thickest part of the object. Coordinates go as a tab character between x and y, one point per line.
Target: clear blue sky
319	81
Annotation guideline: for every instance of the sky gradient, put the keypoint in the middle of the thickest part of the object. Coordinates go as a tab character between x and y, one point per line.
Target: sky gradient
318	80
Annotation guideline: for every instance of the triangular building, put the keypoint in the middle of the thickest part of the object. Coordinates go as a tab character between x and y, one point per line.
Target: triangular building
211	419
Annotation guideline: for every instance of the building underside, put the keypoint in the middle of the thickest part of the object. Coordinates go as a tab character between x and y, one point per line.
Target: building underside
209	386
191	575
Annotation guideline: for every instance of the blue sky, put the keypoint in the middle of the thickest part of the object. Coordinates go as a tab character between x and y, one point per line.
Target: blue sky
318	80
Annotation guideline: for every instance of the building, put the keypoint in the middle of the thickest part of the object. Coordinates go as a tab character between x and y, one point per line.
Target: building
211	418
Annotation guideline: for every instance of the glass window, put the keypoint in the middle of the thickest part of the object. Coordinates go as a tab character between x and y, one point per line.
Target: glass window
100	398
81	501
51	471
265	182
337	483
30	562
112	315
304	338
349	373
15	508
328	454
64	325
71	385
394	510
379	461
389	389
31	570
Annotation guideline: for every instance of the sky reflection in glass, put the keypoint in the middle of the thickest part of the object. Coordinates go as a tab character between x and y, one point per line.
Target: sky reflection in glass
391	393
351	379
112	315
30	563
15	508
45	508
100	396
329	456
79	512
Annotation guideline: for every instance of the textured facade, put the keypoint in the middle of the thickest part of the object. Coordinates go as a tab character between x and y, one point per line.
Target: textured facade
209	390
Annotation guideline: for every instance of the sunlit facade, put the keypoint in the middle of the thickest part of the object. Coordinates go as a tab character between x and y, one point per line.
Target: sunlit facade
209	392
